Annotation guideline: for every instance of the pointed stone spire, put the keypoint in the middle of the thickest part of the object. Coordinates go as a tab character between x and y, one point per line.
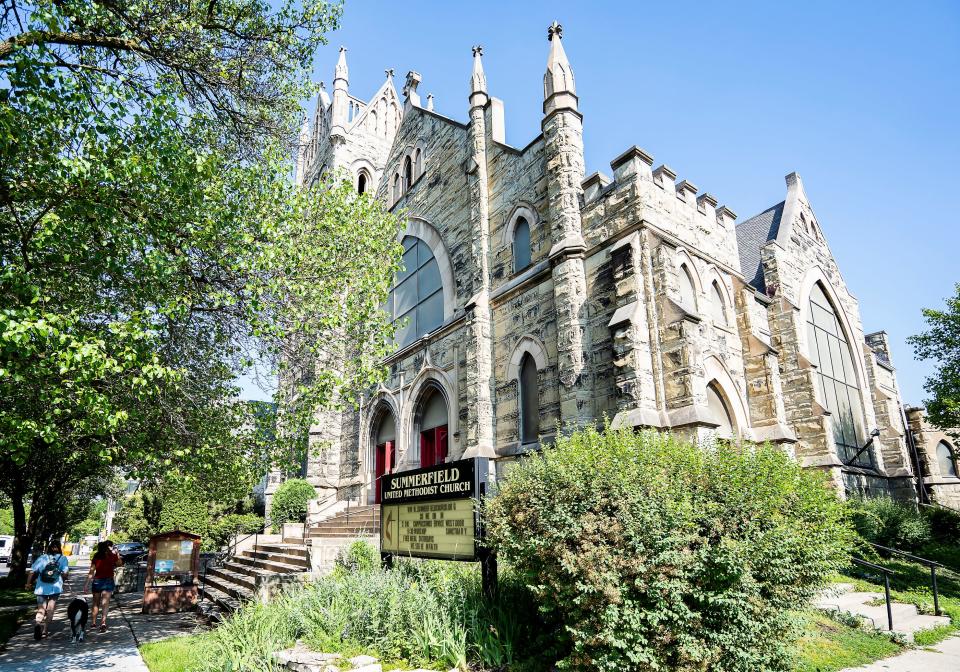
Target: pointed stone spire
478	80
323	98
338	117
341	71
559	89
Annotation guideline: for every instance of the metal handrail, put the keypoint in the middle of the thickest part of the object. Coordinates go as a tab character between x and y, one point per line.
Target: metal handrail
932	564
887	573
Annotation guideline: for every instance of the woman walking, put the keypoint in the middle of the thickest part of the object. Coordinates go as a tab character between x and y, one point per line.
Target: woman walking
48	572
104	562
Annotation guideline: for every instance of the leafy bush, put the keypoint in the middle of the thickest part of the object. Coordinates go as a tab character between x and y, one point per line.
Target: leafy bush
181	504
881	520
944	524
654	554
290	502
360	556
429	614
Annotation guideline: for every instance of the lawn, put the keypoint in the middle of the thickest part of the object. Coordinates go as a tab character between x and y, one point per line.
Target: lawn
173	654
828	645
11	595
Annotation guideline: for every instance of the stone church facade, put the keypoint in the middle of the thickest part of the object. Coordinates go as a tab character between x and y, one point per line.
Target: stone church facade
534	296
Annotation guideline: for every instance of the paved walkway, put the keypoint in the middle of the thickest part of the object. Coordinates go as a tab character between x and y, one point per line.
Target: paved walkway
112	651
943	657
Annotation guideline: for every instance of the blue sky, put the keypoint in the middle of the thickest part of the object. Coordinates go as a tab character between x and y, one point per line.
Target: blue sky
861	98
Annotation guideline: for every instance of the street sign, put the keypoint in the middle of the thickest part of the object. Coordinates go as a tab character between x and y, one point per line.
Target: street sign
432	512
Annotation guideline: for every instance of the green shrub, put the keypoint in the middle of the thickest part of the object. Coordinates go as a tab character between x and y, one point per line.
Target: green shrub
360	556
653	554
884	521
290	502
944	524
429	614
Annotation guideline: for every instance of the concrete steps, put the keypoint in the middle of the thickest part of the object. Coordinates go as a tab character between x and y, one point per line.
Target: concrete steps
871	606
255	573
358	521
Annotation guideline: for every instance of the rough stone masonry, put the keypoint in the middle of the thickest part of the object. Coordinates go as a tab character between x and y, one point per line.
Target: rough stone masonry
565	299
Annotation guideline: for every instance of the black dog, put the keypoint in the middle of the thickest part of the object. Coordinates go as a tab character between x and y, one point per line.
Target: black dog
77	615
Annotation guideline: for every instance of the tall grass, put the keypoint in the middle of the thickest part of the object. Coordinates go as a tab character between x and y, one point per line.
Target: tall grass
425	614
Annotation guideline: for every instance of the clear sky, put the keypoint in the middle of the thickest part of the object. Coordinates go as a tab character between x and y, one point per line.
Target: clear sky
861	98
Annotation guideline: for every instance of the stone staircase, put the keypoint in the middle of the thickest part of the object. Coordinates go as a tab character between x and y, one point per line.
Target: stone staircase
871	607
351	523
260	572
253	574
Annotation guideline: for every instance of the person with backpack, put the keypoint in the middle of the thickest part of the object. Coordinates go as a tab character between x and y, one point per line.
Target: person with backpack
102	566
48	572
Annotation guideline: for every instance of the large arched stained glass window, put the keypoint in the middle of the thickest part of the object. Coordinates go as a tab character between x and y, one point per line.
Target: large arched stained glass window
415	303
839	391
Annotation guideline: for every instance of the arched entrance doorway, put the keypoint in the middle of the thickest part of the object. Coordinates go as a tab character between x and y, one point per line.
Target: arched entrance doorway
432	428
384	452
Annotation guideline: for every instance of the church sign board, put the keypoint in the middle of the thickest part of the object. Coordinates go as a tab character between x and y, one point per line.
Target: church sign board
432	512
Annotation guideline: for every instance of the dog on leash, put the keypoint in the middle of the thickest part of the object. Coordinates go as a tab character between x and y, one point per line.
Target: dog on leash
77	615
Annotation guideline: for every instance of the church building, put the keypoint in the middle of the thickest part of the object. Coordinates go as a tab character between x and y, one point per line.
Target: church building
534	296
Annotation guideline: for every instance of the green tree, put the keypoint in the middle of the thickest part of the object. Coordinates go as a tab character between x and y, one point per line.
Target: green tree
941	344
152	247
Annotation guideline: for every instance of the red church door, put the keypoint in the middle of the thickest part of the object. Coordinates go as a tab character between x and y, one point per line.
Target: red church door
433	446
383	466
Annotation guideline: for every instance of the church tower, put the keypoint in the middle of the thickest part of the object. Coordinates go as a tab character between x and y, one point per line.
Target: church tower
563	156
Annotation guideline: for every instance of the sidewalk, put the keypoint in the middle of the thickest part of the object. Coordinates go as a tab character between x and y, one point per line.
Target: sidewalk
112	651
943	657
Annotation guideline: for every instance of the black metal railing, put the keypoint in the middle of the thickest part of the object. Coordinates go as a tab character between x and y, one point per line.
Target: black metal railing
887	573
932	565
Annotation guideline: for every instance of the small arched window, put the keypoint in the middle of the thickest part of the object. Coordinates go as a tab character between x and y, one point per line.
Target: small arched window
947	460
688	294
418	164
718	307
407	174
396	187
362	183
521	245
720	413
529	401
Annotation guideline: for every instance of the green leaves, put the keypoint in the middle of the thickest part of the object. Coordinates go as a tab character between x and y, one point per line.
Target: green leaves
652	553
941	343
152	247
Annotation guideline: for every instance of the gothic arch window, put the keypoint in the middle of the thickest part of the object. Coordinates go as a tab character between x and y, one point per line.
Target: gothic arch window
529	400
688	292
415	304
417	164
947	459
396	187
362	182
829	350
521	244
407	174
432	427
718	306
384	447
720	412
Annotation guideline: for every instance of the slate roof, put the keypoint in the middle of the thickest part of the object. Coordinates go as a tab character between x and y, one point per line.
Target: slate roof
752	235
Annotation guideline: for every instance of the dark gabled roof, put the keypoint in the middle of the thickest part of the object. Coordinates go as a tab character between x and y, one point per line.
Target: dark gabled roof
752	235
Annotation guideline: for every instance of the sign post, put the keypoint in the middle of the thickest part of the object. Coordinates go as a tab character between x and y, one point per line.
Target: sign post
434	513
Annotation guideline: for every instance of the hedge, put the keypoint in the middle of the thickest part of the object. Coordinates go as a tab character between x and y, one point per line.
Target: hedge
290	502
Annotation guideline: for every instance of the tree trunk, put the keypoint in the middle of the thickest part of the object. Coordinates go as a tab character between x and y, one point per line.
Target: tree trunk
22	540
